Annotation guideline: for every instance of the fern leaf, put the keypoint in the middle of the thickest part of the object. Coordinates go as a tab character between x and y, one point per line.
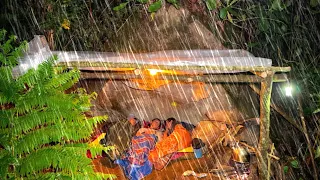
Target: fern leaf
71	160
33	101
77	176
95	150
61	79
4	118
23	124
35	139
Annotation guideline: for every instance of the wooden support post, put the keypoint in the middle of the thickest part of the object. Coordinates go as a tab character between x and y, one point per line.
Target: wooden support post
278	109
264	141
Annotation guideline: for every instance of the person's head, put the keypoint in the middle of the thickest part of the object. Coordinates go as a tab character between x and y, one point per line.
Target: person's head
155	124
171	123
133	120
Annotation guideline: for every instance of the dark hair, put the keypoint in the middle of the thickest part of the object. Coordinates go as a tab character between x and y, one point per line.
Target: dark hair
157	119
174	123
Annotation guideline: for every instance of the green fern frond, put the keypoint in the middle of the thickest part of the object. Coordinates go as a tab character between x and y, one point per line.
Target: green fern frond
55	133
7	88
70	160
23	124
33	101
78	176
5	161
40	125
95	150
4	140
61	79
40	75
4	118
92	122
67	85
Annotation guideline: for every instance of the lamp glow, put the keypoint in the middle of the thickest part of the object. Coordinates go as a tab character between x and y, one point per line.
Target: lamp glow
288	91
153	71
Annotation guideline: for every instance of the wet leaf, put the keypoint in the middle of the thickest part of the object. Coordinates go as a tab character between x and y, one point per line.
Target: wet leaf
223	13
155	6
121	6
317	154
277	5
211	4
285	169
263	25
174	3
314	3
229	17
294	164
316	111
252	44
143	1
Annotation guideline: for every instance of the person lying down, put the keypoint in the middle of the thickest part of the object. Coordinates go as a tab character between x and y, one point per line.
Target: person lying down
155	128
135	163
175	138
147	151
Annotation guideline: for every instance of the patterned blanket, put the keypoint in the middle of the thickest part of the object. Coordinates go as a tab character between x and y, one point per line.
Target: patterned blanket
140	148
135	163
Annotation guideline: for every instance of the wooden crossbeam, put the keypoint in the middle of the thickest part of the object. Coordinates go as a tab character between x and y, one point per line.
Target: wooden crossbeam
204	69
223	78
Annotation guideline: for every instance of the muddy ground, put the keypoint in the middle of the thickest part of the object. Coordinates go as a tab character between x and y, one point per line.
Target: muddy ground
214	159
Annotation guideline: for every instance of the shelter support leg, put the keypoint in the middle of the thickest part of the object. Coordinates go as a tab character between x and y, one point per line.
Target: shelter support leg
264	141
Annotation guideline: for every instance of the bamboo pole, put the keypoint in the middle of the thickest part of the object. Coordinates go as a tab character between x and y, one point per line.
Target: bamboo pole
204	69
265	96
223	78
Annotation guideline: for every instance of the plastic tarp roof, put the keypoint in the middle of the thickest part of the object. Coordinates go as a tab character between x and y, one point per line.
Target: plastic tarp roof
39	51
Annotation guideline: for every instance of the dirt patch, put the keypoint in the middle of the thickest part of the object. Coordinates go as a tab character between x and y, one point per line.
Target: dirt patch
213	159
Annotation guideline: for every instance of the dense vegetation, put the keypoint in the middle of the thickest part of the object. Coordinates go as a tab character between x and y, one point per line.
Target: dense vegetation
43	129
286	31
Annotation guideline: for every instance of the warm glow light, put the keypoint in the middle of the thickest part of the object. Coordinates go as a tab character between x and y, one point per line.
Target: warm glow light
153	71
288	91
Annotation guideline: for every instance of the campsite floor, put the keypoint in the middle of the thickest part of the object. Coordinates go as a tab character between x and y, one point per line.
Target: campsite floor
175	168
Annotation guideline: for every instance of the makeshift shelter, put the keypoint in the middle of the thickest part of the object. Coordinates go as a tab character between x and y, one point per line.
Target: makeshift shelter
192	75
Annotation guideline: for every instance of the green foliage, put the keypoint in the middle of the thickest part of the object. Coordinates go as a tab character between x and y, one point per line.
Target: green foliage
8	52
314	3
174	3
121	6
285	169
295	164
287	32
154	7
317	153
211	4
41	127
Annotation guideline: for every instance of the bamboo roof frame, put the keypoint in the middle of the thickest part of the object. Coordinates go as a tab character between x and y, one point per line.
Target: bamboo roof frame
112	70
110	65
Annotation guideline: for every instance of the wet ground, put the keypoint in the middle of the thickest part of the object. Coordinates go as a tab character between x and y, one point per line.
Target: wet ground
211	160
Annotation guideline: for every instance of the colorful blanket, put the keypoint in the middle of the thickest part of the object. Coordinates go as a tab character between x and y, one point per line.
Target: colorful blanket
135	163
179	139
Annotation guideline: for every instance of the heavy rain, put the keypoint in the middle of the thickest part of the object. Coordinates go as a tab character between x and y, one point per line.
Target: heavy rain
159	89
